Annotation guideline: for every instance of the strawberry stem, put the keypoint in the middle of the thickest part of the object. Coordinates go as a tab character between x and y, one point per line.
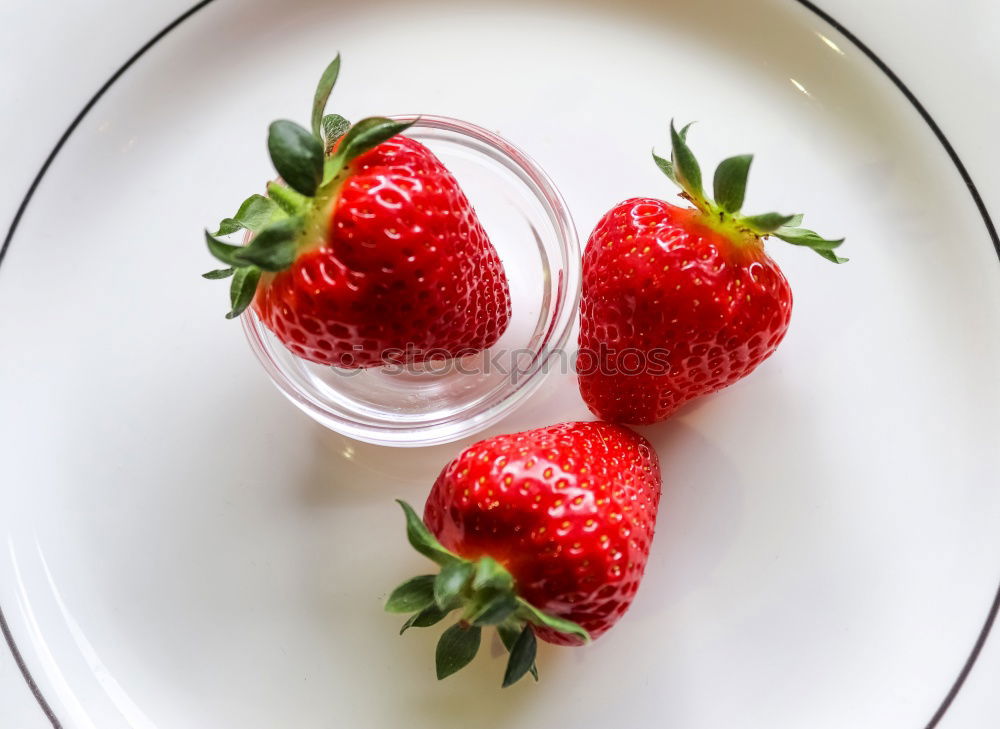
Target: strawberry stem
729	187
485	594
293	217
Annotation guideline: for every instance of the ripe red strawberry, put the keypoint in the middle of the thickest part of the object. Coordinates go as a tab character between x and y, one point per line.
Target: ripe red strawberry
679	302
545	532
368	253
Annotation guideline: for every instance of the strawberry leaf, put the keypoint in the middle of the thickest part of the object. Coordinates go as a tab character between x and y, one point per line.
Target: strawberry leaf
666	167
272	249
368	134
221	250
536	616
494	610
522	657
450	582
255	212
416	593
456	649
422	540
831	256
810	239
228	226
334	127
509	633
219	273
297	156
242	289
323	89
430	615
767	222
730	184
686	166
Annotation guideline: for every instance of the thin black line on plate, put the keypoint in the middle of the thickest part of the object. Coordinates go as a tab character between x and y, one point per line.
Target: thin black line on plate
924	114
4	627
28	678
860	45
991	615
83	113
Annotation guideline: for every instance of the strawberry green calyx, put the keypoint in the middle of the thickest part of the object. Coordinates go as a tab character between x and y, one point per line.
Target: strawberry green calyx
484	594
729	187
294	213
334	127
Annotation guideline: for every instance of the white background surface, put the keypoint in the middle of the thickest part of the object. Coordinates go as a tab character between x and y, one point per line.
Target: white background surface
944	52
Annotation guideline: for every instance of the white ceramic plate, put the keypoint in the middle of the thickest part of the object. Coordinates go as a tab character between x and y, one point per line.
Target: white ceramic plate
183	549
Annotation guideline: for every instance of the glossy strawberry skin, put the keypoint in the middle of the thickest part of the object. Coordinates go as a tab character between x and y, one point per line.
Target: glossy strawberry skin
406	267
697	309
569	510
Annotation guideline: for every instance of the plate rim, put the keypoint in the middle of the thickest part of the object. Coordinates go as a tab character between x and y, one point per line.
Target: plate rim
860	45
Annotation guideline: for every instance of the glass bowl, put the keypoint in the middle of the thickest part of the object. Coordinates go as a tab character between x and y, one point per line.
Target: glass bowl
530	226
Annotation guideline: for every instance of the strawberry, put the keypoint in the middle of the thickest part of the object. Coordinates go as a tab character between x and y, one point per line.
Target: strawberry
544	532
367	251
679	302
